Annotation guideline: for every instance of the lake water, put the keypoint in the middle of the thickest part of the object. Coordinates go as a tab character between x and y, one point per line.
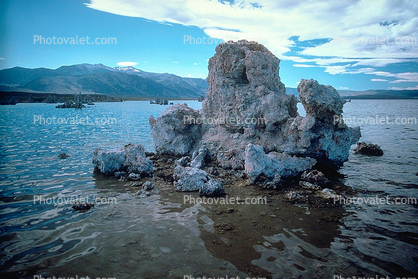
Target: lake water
161	237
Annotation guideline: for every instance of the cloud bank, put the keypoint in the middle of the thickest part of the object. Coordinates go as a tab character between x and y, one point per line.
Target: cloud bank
355	33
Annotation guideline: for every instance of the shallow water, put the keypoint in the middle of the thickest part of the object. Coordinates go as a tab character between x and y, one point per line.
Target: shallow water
161	237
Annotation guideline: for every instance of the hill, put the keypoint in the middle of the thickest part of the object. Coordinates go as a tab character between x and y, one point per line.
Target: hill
125	82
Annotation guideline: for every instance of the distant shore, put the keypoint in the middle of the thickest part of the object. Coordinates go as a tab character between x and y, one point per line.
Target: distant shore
14	97
10	98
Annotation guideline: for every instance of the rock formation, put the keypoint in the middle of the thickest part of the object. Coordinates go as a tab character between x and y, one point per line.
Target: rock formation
368	149
130	159
248	122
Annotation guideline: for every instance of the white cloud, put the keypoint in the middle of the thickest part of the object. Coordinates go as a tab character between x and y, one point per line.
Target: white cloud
361	33
175	62
333	70
346	23
303	66
407	88
343	88
2	58
126	64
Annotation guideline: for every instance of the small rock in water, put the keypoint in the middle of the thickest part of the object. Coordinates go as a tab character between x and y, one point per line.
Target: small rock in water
130	158
368	149
63	155
82	207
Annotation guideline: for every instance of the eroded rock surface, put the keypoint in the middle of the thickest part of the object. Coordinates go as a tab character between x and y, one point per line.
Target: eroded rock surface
174	131
129	159
248	122
368	149
257	162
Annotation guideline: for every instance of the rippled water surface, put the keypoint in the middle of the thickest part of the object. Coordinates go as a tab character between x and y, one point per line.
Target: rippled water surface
160	237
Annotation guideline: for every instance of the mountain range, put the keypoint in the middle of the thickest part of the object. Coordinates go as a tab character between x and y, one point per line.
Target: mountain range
132	83
126	82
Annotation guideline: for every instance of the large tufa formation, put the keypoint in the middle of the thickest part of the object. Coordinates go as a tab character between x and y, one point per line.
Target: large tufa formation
248	122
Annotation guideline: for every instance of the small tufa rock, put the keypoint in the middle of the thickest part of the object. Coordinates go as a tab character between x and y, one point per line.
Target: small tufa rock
82	207
314	177
182	161
214	171
292	195
134	176
368	149
147	186
199	158
189	179
130	158
257	162
213	188
63	155
119	174
276	183
309	186
136	184
328	194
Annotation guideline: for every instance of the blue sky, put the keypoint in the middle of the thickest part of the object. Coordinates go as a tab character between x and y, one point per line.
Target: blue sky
357	44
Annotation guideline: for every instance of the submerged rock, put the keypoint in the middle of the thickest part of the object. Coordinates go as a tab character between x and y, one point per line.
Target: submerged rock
63	155
82	207
130	158
368	149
